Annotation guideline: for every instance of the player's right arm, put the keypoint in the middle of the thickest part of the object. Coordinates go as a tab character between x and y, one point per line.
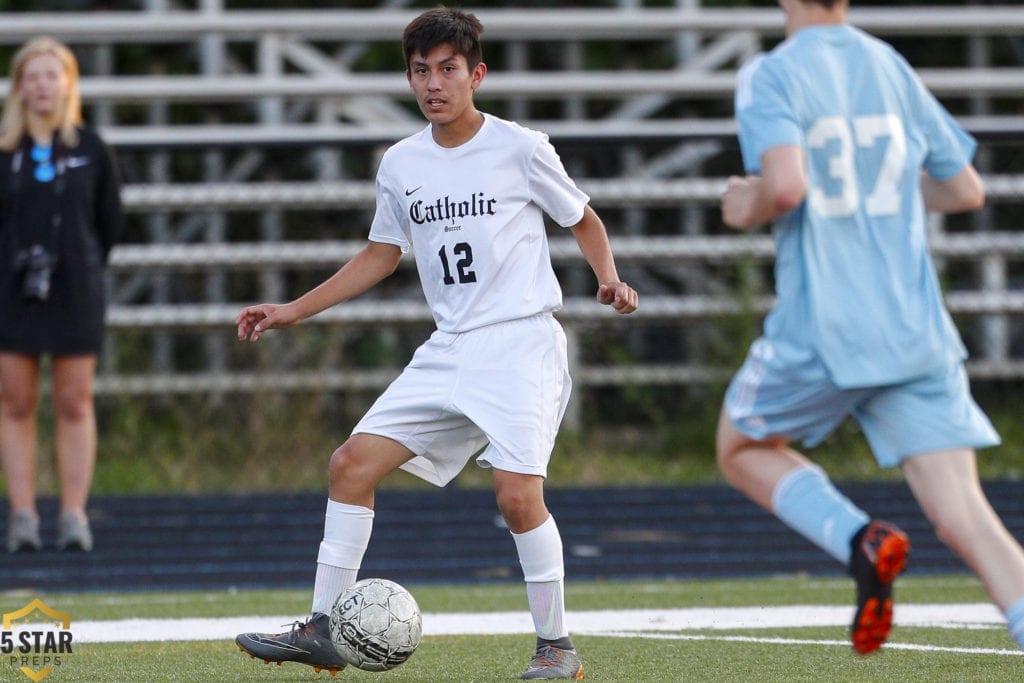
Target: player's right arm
375	262
753	200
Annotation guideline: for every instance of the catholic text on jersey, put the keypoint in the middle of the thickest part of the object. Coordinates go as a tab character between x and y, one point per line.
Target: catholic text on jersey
444	208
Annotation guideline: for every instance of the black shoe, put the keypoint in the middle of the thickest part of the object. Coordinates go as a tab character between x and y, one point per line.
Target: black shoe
306	643
879	555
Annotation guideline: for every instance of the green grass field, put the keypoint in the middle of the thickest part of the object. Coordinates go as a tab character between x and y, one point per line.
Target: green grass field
751	654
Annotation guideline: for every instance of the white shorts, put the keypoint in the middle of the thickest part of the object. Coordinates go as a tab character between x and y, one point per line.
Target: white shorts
504	386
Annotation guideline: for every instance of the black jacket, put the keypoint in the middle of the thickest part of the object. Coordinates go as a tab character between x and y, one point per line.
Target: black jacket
76	217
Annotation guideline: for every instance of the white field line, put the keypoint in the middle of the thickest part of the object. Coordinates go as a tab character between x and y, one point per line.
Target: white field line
798	641
661	623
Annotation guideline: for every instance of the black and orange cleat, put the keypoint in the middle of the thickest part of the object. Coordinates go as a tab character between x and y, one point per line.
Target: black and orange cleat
879	556
306	643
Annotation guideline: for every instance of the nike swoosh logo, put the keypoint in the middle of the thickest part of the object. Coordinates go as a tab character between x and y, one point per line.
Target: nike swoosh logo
545	630
409	192
75	162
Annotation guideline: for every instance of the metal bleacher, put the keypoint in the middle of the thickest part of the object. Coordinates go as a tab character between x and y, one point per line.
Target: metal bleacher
249	140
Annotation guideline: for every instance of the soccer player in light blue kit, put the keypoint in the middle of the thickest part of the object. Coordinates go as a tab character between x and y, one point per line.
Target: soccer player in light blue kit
845	152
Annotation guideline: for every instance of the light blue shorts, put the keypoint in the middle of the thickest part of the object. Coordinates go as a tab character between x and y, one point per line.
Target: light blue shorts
791	395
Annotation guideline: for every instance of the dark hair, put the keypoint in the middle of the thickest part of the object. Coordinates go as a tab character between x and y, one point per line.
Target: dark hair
443	25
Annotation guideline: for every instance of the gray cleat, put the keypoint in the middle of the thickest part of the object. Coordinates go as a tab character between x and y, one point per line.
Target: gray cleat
306	643
551	662
23	531
73	532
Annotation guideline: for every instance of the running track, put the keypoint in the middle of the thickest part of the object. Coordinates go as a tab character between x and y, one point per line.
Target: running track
264	540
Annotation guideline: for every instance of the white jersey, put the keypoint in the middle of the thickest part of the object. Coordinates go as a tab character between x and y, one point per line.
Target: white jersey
473	215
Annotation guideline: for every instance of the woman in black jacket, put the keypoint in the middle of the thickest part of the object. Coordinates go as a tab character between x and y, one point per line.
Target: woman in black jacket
60	213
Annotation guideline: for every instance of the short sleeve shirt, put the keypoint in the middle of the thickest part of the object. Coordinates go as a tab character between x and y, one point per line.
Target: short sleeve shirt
855	282
474	218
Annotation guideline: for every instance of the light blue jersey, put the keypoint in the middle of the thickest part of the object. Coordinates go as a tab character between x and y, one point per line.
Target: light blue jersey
856	285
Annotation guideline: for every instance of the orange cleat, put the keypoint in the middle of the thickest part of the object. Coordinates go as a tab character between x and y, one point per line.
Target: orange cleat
879	556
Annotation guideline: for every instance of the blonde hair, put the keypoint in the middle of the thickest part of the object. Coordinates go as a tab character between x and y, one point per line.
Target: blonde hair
13	124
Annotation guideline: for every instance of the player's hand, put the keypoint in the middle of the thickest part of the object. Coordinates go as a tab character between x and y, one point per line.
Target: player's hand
737	202
619	296
253	321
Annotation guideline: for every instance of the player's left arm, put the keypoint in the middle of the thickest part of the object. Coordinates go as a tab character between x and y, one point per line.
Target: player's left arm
592	238
962	192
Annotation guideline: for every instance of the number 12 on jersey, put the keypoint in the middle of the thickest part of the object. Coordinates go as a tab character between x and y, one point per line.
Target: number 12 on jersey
462	265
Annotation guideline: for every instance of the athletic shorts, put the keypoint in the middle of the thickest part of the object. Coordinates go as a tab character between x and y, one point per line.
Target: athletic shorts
502	388
789	394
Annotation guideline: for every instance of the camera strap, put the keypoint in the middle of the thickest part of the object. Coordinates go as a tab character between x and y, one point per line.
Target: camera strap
19	161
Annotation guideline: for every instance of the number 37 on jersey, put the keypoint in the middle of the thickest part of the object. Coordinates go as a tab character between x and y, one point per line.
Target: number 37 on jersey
846	144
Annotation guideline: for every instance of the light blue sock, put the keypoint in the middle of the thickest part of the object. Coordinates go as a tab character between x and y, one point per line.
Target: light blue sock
1015	621
808	503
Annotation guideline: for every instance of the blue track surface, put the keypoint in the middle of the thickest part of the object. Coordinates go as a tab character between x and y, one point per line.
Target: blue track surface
203	542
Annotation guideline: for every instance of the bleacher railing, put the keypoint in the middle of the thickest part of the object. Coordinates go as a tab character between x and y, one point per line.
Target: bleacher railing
248	144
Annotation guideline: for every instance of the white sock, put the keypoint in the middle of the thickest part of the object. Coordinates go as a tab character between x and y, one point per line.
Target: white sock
540	554
547	606
329	584
346	534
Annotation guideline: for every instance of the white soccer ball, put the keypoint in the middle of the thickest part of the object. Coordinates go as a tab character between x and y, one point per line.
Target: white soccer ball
376	624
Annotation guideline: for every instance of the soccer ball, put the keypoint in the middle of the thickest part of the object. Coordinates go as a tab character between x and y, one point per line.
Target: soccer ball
376	624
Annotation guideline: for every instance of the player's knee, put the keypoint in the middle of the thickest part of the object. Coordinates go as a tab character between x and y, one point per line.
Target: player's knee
958	531
345	465
725	454
520	499
730	445
520	507
511	502
726	442
947	533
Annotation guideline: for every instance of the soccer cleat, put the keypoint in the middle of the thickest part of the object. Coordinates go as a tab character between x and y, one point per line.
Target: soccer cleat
551	662
306	643
74	532
879	555
23	532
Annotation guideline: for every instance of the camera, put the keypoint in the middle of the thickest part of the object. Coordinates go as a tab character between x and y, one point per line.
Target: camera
38	264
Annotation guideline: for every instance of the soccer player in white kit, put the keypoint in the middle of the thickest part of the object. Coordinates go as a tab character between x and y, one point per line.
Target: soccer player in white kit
845	151
468	194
